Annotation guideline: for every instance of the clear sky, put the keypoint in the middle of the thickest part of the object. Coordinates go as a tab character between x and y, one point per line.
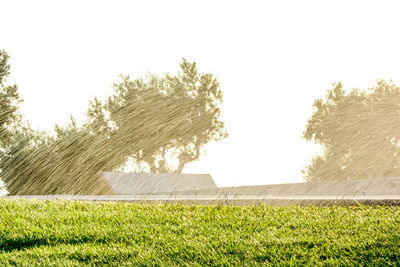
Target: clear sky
273	59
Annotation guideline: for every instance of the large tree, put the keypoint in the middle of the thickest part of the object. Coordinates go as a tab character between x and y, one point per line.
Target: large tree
359	131
161	123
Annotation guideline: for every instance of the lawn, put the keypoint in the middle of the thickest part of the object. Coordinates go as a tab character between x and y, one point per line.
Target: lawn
87	233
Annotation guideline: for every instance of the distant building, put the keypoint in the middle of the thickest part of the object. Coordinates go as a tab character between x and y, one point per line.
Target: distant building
121	183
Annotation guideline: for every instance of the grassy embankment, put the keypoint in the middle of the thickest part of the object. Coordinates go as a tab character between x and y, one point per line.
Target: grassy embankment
75	233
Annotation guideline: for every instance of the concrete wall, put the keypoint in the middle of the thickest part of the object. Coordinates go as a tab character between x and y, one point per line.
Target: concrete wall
335	188
154	183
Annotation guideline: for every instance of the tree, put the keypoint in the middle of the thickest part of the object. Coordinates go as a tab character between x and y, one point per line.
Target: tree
66	162
359	132
153	120
9	100
161	120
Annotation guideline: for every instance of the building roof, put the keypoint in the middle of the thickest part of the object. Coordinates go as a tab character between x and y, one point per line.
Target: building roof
123	183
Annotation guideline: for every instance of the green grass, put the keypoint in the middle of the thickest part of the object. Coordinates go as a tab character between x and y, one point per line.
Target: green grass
85	233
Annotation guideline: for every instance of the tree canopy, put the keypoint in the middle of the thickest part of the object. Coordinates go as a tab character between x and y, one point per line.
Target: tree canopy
161	123
359	131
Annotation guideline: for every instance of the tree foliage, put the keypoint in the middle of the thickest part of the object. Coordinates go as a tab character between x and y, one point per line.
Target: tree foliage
65	163
9	100
359	131
162	123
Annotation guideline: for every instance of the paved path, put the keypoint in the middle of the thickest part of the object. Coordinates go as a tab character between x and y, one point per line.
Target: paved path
228	199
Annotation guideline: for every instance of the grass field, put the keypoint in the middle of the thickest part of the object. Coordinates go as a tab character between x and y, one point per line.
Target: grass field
71	233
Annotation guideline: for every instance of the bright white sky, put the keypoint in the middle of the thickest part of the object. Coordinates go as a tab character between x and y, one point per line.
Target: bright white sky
273	58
